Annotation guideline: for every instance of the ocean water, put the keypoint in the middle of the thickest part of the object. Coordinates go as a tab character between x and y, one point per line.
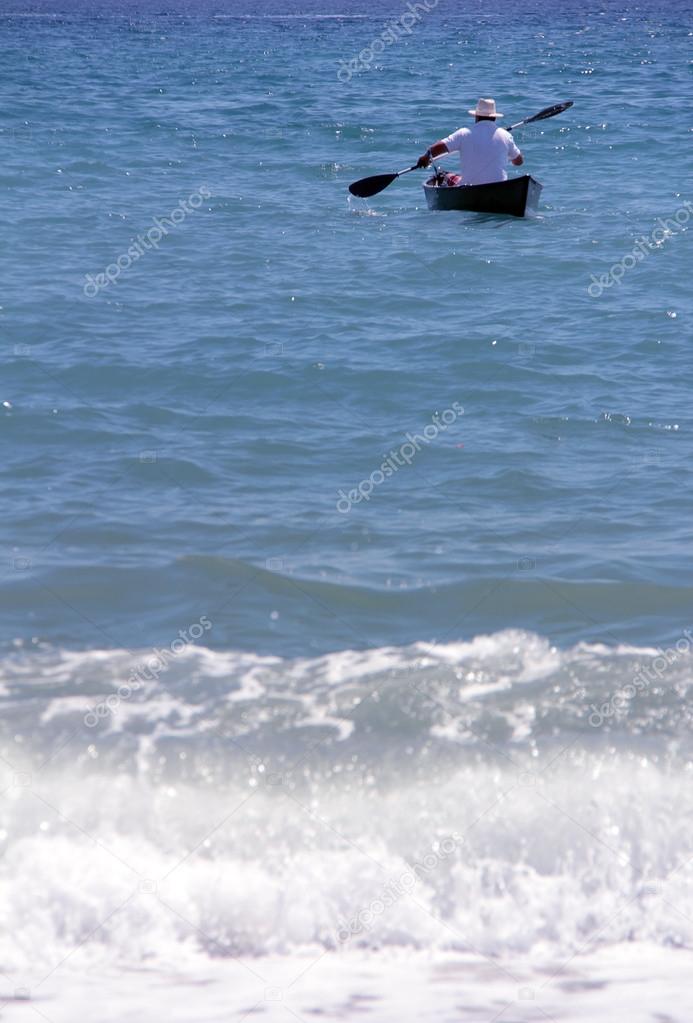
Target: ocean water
346	592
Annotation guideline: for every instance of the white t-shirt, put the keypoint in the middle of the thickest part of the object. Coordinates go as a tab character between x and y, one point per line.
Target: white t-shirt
484	152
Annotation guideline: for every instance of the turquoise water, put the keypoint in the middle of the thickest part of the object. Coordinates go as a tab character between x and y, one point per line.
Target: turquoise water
337	506
178	441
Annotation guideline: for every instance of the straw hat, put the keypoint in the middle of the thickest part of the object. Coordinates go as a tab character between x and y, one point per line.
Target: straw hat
485	108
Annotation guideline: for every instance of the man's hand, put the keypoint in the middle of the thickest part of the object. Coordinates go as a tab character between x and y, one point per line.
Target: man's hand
423	161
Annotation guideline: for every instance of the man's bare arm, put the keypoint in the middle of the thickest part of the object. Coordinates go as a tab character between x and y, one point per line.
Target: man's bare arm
518	161
437	149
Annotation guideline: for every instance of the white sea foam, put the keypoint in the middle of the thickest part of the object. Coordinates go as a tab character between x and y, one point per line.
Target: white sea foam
627	983
247	806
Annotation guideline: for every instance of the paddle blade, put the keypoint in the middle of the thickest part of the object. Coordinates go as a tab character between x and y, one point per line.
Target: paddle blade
557	108
367	187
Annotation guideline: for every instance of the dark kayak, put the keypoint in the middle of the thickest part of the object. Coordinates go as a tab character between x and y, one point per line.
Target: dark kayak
514	197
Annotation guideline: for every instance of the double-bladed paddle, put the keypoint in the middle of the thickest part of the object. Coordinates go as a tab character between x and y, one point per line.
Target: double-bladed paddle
366	187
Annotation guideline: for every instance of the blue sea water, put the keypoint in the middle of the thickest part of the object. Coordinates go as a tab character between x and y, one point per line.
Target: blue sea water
178	441
204	435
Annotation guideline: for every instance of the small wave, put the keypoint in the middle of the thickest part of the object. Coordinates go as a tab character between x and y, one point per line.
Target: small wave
186	711
580	850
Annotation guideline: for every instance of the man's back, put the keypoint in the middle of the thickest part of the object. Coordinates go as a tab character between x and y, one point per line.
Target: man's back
484	152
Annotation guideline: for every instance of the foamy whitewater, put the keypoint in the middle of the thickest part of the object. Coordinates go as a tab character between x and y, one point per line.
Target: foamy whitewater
285	734
499	810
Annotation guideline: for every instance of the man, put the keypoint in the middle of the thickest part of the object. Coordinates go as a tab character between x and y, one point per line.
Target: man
484	149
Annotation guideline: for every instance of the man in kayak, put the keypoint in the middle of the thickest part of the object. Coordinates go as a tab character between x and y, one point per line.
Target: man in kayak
484	149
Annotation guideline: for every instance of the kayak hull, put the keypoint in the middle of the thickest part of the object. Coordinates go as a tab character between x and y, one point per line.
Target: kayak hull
512	198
